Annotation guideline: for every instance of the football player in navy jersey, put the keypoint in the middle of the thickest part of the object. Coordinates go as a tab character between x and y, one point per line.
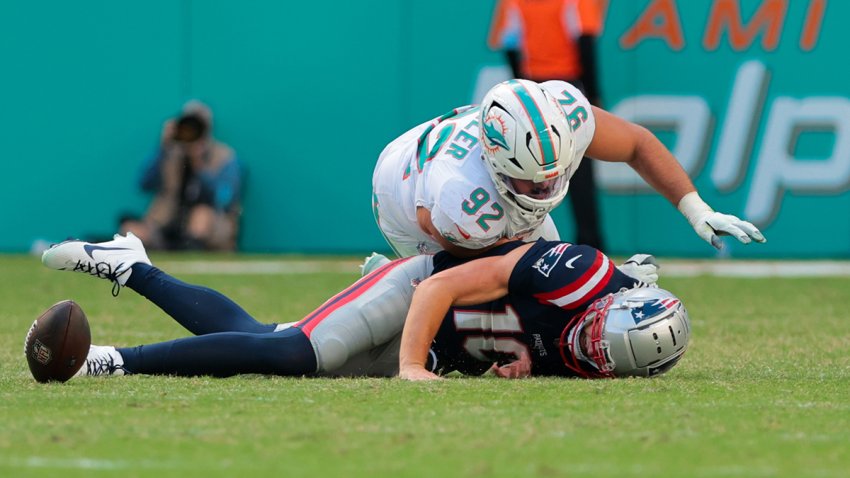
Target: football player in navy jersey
544	308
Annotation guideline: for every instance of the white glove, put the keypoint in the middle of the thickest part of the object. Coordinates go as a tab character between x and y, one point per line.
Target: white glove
709	225
642	267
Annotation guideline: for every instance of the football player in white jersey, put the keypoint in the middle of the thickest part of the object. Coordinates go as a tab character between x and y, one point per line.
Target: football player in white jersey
478	175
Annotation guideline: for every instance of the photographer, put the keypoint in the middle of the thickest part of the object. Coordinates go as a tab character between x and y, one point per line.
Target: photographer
197	184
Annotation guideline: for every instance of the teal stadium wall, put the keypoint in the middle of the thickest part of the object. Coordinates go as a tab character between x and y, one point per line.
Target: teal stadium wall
309	93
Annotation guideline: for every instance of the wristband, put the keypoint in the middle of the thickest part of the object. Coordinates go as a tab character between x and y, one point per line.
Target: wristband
693	207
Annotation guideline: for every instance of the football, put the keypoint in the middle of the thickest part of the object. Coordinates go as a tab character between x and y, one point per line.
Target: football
58	342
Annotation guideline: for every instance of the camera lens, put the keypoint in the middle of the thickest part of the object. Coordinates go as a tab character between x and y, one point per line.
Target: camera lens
189	129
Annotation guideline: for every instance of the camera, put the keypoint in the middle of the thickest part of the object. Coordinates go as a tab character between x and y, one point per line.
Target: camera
189	128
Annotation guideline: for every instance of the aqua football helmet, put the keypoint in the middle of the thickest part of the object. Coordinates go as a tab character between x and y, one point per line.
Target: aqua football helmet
528	147
636	332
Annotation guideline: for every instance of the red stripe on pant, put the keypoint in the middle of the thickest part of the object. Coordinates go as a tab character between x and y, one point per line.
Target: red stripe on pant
307	324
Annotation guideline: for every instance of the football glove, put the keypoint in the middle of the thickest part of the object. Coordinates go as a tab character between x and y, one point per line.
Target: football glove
710	225
642	267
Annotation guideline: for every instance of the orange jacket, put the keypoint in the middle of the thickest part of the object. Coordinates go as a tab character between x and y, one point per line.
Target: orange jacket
546	32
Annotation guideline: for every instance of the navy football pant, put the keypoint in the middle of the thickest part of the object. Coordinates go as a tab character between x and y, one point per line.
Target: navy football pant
228	341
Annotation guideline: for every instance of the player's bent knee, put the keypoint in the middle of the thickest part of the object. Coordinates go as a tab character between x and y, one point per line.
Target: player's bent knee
334	353
287	352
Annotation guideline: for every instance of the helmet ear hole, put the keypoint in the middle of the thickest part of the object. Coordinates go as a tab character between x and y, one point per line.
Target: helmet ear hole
529	146
556	132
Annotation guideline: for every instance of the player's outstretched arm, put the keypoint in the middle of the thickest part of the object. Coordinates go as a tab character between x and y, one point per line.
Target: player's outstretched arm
475	282
618	140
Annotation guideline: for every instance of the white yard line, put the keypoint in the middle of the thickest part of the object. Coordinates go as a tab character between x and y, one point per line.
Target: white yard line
97	464
599	468
271	267
726	268
669	268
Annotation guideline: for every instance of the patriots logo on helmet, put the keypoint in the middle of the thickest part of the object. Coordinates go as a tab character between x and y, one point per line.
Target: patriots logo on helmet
494	133
646	310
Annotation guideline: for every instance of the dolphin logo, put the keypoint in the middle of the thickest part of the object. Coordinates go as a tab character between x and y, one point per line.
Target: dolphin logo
494	135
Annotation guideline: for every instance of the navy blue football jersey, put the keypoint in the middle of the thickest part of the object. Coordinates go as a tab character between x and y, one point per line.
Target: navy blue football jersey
550	284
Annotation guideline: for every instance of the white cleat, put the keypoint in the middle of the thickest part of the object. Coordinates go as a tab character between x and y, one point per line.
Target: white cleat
372	263
102	361
108	260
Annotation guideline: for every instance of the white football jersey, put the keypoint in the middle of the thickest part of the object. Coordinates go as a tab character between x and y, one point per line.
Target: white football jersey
438	165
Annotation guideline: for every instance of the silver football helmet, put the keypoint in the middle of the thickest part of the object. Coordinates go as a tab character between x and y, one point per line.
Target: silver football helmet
526	138
635	332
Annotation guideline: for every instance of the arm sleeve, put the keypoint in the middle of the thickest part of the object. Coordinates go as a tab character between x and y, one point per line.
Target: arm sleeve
505	27
229	189
151	177
224	186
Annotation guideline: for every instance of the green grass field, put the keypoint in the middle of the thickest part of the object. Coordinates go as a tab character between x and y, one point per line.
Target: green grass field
763	391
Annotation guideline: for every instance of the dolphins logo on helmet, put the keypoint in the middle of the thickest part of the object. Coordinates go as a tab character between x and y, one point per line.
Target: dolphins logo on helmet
494	133
526	137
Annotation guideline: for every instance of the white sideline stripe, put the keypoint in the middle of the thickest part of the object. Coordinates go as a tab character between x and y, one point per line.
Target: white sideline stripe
669	268
39	462
88	463
756	269
275	267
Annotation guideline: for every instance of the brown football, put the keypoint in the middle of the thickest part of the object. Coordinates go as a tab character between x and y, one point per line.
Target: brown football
58	342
